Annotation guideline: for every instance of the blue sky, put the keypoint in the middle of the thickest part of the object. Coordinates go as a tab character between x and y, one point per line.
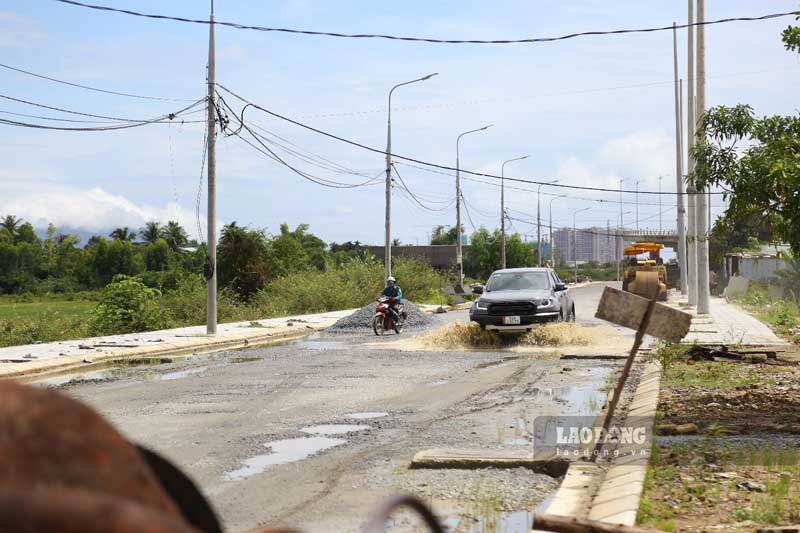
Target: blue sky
559	102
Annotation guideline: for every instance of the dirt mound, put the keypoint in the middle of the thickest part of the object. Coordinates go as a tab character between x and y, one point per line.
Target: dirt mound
547	335
361	320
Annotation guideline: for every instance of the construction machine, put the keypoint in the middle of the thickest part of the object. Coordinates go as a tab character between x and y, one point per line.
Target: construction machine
643	276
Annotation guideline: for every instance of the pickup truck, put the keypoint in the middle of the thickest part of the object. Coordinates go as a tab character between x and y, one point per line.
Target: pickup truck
516	299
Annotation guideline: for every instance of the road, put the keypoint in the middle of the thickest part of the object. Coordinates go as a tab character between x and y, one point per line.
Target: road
242	424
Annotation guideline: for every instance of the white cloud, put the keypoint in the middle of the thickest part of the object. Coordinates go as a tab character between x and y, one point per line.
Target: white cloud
17	30
93	209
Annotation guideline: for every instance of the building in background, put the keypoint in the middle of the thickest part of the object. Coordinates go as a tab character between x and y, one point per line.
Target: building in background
595	244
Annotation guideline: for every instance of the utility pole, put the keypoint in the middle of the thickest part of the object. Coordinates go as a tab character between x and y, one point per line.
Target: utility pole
459	256
680	221
503	208
552	242
388	236
621	244
539	222
211	140
691	237
637	204
659	203
703	289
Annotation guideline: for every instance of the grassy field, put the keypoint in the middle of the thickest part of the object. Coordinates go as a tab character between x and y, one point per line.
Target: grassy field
15	310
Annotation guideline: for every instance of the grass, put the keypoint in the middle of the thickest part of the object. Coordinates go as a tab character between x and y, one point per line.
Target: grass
13	310
783	315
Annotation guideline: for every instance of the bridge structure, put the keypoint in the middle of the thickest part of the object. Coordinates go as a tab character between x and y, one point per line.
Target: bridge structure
669	237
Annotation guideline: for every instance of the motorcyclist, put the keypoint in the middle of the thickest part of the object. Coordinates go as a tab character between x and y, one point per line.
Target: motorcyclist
393	290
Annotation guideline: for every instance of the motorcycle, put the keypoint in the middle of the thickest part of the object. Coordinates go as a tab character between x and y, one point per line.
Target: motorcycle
384	318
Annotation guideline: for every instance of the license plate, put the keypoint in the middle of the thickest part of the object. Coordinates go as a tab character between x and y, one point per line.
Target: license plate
509	320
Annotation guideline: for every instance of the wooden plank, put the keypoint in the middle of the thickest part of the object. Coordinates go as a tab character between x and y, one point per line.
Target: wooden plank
465	458
627	309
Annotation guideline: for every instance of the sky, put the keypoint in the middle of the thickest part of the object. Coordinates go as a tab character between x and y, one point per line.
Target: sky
588	111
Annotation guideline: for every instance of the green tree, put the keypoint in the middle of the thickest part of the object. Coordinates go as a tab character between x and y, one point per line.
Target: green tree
242	259
763	177
11	223
151	232
122	234
440	235
484	253
127	306
157	255
26	233
175	235
108	259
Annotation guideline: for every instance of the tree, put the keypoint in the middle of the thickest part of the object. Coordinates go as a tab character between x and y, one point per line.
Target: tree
26	233
484	253
122	234
151	232
157	255
242	259
763	178
175	235
734	232
10	223
441	236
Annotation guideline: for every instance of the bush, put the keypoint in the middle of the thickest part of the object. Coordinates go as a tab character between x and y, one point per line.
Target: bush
44	328
127	306
186	304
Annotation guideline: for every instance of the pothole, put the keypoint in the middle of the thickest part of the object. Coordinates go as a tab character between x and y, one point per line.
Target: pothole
283	452
334	429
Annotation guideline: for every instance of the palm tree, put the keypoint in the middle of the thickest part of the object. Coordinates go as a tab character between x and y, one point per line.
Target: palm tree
122	234
175	235
151	232
11	224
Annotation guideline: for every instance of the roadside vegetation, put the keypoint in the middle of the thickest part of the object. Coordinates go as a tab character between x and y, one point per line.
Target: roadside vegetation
782	314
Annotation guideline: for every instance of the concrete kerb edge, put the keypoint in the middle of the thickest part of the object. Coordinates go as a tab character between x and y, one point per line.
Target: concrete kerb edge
200	345
606	505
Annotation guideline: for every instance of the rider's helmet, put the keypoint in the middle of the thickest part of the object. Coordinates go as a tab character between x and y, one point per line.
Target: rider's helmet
391	278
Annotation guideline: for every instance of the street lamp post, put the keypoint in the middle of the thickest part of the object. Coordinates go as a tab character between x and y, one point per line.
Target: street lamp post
552	242
459	256
637	204
575	241
388	247
539	222
503	208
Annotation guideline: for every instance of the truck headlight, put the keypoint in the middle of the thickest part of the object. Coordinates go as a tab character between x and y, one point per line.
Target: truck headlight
544	303
480	304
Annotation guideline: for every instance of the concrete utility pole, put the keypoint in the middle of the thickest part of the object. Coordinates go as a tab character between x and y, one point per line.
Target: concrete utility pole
552	242
637	204
621	245
459	256
211	140
539	222
703	290
575	241
503	208
659	203
680	221
388	245
691	241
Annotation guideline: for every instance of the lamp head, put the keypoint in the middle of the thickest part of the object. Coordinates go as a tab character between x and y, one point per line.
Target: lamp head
429	76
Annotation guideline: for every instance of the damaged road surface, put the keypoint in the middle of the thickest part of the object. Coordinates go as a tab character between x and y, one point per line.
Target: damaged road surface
316	433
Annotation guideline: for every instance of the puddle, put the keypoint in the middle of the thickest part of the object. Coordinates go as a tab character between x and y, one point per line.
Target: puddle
440	382
334	429
57	381
488	364
320	345
283	452
504	522
366	415
178	374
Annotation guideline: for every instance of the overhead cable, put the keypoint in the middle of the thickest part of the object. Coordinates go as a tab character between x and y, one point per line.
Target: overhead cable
88	88
529	40
440	166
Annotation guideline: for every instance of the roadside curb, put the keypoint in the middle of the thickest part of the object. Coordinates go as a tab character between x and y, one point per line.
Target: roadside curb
188	347
617	499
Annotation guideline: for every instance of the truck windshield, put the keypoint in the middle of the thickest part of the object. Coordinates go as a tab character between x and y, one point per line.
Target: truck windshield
518	281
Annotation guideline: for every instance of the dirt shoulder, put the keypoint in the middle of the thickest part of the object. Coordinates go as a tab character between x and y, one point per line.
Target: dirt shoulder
726	454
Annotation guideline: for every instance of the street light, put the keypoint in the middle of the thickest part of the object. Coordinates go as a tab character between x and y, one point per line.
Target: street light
552	243
621	243
503	208
637	204
575	241
388	249
459	262
539	221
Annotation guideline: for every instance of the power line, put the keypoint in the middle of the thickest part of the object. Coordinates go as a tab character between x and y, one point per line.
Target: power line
436	165
78	121
126	125
88	88
239	26
413	197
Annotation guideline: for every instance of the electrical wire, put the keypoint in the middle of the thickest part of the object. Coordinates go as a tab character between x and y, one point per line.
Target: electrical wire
445	167
87	87
239	26
415	199
127	125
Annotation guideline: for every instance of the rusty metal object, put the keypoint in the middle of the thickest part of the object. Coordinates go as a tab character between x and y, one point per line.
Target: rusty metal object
66	469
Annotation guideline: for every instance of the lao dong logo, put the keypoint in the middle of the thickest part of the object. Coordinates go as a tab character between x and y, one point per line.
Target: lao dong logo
625	435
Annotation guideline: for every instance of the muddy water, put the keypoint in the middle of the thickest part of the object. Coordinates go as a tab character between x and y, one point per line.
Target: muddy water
283	451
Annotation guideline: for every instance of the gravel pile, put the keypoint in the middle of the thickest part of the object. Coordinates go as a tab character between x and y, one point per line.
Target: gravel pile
361	320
